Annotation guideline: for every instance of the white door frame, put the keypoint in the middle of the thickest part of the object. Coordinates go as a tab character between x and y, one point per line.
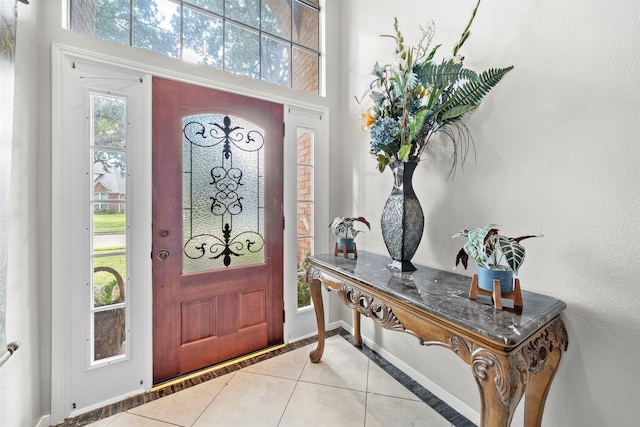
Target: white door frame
301	323
60	318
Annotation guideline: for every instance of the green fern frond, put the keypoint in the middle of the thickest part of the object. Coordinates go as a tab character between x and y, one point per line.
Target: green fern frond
442	75
472	92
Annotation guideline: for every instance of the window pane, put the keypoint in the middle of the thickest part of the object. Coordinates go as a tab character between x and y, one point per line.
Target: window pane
244	11
242	51
305	146
112	20
275	61
305	25
156	26
202	39
108	280
305	183
304	250
109	176
109	219
109	333
276	17
215	6
105	19
305	71
305	219
109	121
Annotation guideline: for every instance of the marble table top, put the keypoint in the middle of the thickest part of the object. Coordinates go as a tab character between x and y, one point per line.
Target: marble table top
446	295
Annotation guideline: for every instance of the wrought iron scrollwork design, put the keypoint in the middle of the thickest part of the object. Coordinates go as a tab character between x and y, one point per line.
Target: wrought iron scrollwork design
226	197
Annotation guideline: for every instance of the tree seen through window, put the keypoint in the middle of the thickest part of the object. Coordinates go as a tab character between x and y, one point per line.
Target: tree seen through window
272	40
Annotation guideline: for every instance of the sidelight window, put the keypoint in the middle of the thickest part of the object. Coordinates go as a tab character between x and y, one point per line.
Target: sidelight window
305	207
108	156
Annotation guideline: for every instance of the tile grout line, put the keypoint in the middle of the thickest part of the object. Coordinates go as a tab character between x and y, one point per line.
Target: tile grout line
226	384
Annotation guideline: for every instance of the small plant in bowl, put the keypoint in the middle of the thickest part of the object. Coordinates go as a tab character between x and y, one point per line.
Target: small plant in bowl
344	228
491	250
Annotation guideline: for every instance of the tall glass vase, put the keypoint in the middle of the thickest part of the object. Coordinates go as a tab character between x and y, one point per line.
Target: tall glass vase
402	220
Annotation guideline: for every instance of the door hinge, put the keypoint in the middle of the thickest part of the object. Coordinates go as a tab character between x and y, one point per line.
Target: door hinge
284	129
284	316
283	222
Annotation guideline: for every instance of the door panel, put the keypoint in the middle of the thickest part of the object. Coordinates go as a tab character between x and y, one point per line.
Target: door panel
217	226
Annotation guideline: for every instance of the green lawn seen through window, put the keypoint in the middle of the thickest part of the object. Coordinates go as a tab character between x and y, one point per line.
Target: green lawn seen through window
109	223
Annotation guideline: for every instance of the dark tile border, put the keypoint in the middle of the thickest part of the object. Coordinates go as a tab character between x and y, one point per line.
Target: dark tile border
173	387
425	395
446	411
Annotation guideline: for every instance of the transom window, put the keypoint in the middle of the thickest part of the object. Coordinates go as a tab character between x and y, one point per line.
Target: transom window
272	40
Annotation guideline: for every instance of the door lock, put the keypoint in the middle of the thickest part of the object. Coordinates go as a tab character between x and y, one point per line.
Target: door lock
163	255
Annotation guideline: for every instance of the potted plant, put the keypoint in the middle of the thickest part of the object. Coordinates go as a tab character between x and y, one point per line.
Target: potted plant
491	250
343	227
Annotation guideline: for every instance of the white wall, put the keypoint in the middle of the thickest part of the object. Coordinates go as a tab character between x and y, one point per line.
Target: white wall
557	149
20	380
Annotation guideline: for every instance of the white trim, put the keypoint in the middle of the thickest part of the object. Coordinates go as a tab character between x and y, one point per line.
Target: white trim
44	421
102	404
60	334
211	82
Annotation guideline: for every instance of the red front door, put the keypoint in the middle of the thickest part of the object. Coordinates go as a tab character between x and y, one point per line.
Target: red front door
217	226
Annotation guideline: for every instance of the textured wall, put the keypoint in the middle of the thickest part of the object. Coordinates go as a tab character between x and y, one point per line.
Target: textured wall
557	151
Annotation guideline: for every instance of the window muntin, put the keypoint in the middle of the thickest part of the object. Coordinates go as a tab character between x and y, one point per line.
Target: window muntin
272	40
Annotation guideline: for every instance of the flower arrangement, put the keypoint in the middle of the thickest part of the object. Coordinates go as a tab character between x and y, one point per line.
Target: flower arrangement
343	227
418	98
487	248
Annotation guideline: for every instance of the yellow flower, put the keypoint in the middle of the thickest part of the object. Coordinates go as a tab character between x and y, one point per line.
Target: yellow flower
368	120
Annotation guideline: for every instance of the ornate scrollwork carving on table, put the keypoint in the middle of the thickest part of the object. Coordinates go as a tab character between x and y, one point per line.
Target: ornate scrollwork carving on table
313	273
511	374
368	306
537	351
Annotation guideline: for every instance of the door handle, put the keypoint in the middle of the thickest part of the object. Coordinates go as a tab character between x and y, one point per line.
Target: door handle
163	255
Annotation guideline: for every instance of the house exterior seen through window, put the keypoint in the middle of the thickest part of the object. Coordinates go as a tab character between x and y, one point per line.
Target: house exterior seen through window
272	40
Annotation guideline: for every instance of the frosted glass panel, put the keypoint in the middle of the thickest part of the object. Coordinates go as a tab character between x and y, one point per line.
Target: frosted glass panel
223	193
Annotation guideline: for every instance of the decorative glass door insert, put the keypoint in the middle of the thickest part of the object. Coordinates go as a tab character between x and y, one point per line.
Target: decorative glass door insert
223	193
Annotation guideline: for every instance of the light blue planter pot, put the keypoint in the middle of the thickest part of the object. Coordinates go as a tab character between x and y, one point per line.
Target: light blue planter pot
348	241
486	276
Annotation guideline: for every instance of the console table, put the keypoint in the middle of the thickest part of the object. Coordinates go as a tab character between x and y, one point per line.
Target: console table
511	352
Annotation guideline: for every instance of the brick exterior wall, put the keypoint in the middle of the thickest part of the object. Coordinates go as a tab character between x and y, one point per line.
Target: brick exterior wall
305	195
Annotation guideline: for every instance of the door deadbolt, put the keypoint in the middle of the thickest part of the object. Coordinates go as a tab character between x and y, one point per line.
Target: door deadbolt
162	255
164	232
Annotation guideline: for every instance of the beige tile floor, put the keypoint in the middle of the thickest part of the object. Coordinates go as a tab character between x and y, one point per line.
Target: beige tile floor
344	389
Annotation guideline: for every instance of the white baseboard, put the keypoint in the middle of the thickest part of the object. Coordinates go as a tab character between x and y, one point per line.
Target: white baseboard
425	382
45	421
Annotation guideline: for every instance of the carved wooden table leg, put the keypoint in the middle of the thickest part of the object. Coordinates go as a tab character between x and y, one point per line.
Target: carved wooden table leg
548	355
501	381
357	336
315	289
